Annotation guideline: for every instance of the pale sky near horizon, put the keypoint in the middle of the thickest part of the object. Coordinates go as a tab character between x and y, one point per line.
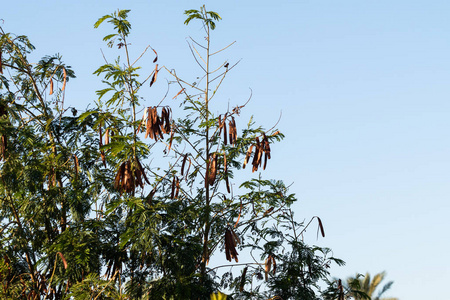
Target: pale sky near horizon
363	89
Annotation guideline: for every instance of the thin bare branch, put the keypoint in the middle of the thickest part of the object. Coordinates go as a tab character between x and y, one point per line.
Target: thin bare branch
198	43
223	48
137	59
228	69
190	48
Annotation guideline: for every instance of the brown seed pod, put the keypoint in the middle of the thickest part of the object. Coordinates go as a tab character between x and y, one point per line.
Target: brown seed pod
77	166
3	146
240	212
170	140
244	273
148	126
155	75
236	238
247	156
225	173
63	260
100	141
233	131
188	168
119	177
65	78
268	266
149	198
51	86
142	124
167	126
1	65
183	163
257	156
225	136
164	118
182	90
107	136
172	194
212	168
156	124
128	183
102	154
268	211
266	149
322	231
156	58
177	187
142	171
230	246
138	177
219	118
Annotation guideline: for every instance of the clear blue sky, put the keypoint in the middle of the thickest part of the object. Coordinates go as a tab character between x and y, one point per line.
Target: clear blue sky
363	87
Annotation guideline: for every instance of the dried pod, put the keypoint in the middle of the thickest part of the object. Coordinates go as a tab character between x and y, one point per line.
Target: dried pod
138	177
225	173
244	273
63	260
268	266
183	163
148	126
182	90
164	118
225	137
142	171
51	86
3	146
65	78
102	154
170	140
236	238
144	117
258	154
77	166
128	183
172	194
219	118
233	131
188	168
266	149
156	124
212	168
107	136
149	197
100	138
156	58
320	227
119	177
240	212
155	75
1	65
268	211
177	187
247	156
167	127
230	248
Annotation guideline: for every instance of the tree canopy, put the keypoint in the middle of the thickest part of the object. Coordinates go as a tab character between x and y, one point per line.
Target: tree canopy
139	199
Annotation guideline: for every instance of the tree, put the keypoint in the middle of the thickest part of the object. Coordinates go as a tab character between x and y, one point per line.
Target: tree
368	286
126	201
